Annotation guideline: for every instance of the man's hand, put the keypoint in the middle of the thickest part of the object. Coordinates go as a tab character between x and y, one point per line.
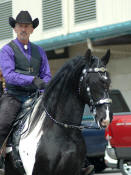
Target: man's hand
39	83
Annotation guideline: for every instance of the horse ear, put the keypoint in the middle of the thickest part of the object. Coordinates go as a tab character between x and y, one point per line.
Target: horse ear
88	56
105	58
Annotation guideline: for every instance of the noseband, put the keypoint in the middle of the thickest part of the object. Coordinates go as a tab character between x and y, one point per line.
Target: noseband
105	99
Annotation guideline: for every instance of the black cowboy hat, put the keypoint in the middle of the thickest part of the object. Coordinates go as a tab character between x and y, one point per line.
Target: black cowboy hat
24	18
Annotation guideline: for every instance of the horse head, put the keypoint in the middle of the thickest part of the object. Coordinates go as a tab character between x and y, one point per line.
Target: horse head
96	81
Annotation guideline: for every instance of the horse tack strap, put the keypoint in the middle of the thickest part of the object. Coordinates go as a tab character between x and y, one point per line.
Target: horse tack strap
97	69
65	125
80	127
104	101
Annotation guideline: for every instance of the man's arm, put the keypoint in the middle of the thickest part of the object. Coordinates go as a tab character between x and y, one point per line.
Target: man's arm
45	73
7	65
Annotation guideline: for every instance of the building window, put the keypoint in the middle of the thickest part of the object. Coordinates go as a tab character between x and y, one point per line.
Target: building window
52	14
5	12
85	10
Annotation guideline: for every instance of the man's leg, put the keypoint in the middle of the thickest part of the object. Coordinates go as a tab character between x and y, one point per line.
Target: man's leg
9	109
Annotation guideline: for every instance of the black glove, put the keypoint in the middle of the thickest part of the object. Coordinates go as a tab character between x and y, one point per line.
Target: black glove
39	83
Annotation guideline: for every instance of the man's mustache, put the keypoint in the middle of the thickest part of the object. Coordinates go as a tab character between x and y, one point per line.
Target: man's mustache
23	33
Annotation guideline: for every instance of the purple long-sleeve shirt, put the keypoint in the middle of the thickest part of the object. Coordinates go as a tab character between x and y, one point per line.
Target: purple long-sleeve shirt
7	65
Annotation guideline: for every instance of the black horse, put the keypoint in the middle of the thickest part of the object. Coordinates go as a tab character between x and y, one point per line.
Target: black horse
53	144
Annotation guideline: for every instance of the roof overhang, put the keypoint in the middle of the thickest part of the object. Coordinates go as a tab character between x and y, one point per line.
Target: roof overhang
99	33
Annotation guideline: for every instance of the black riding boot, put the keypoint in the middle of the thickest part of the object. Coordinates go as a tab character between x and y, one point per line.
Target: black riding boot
9	108
2	165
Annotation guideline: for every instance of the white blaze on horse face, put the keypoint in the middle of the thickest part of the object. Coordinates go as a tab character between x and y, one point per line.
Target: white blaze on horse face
106	121
29	143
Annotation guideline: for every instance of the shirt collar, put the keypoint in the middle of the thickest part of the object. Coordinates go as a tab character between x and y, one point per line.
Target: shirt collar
21	44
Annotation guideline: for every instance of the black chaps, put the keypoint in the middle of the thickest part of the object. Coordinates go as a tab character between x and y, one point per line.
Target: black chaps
9	109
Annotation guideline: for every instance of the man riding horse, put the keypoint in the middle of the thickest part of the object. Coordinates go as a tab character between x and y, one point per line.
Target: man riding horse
25	69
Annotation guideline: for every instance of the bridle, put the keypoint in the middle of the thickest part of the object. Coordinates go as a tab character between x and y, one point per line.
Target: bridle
105	99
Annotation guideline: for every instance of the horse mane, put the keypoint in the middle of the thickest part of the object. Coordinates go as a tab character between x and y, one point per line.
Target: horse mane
65	81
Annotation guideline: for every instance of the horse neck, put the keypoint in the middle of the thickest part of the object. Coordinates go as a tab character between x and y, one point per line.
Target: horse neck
72	110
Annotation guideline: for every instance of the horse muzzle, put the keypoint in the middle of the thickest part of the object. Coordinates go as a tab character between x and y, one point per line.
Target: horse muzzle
105	123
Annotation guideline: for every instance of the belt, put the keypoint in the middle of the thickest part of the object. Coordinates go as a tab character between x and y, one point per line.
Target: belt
21	93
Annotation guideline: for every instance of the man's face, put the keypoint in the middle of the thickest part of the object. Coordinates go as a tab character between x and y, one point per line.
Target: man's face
23	31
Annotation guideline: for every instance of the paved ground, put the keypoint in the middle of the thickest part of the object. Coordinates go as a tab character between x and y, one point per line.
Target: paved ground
109	171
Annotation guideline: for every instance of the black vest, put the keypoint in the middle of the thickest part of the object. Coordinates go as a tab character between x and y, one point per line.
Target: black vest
23	66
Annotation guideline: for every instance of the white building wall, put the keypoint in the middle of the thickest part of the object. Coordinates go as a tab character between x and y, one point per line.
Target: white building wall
108	12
